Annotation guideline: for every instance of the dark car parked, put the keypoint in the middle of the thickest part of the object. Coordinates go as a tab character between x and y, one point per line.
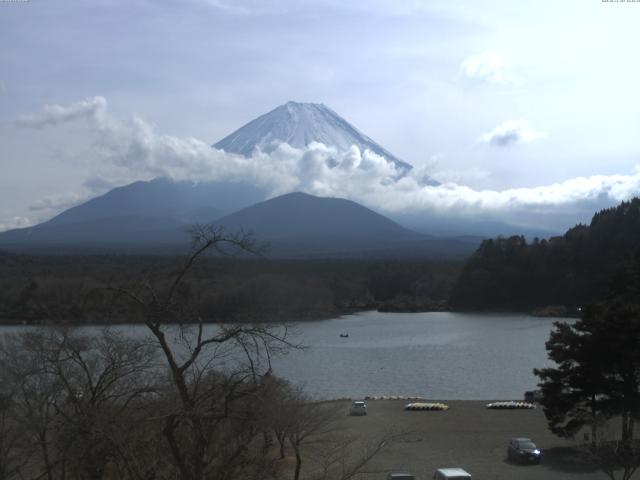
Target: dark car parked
523	450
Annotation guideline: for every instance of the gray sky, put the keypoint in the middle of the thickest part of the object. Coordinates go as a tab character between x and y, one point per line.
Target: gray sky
529	103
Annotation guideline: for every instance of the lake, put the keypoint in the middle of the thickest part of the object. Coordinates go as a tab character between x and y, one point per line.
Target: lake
439	355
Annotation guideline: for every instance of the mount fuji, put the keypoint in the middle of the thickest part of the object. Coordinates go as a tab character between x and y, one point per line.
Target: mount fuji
155	214
299	124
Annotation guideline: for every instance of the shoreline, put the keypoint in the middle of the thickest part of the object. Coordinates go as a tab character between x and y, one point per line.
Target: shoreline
9	322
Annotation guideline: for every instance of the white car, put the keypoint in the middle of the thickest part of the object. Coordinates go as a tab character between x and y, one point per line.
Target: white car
359	407
451	474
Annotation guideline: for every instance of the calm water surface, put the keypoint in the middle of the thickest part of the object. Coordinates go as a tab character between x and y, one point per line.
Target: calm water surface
439	355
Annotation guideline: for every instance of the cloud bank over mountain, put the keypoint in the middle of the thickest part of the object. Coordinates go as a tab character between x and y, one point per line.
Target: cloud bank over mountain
125	150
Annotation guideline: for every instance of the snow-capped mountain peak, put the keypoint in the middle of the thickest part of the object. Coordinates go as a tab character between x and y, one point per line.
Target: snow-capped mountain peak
299	124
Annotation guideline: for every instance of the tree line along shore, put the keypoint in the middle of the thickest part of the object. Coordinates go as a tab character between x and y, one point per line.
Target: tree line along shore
79	289
547	277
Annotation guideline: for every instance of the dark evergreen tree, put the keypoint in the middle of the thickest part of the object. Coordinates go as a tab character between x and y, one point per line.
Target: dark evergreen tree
571	392
597	378
570	270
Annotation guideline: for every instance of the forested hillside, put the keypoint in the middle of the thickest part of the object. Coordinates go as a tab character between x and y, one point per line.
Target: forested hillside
572	270
80	289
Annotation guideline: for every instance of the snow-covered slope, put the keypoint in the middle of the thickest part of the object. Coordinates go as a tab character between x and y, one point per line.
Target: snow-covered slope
299	124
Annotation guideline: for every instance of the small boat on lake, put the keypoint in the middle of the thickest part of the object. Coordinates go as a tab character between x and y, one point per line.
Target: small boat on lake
344	335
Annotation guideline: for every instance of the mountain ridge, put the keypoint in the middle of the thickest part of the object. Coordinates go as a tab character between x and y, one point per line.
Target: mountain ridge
145	211
298	124
294	210
295	225
303	225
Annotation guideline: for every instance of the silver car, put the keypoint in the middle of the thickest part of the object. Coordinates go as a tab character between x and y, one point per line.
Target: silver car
400	476
451	474
359	407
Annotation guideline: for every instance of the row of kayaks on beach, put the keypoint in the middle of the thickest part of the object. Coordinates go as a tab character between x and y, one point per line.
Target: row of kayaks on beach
438	406
510	405
415	398
426	406
420	404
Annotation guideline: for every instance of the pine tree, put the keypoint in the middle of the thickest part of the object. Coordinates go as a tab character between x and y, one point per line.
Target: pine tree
597	378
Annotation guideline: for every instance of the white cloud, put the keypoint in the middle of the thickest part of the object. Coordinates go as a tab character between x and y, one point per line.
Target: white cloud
489	66
57	202
511	132
15	222
468	176
90	108
125	151
552	198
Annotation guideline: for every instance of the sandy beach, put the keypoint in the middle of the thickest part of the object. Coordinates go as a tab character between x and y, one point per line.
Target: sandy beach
468	436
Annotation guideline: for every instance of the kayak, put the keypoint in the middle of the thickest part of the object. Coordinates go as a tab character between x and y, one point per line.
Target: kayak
426	406
510	405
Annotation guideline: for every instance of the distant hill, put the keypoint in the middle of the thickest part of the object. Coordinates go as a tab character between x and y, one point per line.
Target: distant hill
570	270
152	212
452	226
302	225
295	225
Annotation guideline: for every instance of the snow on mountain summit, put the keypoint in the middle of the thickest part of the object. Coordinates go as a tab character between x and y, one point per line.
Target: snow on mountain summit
299	124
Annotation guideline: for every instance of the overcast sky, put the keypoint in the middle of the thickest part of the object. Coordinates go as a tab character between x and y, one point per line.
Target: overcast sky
502	101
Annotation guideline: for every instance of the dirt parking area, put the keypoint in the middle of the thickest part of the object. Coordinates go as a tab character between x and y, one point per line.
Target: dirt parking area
468	436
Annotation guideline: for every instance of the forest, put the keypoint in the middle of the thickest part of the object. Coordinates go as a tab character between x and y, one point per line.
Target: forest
556	276
561	274
77	289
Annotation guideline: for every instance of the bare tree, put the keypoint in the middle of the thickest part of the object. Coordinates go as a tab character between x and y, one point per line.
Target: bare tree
69	395
214	372
12	458
615	456
310	423
343	457
189	401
